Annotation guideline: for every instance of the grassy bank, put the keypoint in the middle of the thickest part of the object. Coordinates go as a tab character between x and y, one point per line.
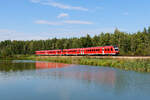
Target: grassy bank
18	57
140	65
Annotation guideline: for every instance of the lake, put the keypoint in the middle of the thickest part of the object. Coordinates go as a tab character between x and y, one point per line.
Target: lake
38	80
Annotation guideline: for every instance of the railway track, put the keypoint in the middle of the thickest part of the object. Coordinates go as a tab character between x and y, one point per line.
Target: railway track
105	57
122	57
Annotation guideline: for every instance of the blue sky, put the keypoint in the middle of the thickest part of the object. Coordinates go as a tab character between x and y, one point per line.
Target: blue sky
43	19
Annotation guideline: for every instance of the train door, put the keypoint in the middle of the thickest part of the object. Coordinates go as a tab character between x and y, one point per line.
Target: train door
103	51
56	52
82	52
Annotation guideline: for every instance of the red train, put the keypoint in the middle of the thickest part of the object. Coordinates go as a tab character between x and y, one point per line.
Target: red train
105	50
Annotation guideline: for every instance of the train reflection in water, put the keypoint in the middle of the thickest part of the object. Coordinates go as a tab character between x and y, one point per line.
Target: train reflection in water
100	75
48	65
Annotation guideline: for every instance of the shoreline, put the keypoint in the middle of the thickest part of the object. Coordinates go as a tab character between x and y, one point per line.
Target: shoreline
139	64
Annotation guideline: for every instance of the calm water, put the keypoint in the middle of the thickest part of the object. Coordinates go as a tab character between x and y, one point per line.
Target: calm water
29	80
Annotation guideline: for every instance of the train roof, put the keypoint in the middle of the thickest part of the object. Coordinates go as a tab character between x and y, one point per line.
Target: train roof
78	48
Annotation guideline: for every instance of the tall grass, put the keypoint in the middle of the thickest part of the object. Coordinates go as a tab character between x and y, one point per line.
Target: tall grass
129	64
136	65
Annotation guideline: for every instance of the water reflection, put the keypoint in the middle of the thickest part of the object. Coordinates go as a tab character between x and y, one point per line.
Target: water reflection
16	65
22	65
58	81
48	65
81	73
60	70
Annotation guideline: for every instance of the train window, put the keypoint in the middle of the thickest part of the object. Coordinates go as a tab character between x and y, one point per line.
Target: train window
108	49
111	49
105	49
116	50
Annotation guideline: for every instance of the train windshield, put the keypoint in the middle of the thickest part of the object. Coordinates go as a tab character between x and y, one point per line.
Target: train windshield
116	48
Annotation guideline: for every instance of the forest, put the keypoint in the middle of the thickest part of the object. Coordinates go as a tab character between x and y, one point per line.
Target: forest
134	44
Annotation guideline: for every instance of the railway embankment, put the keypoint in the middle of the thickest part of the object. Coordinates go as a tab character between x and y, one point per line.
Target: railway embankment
99	57
140	64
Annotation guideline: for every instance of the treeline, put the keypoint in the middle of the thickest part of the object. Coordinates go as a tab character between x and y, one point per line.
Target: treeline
129	43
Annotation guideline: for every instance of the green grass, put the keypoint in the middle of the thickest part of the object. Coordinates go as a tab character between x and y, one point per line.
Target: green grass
130	64
136	65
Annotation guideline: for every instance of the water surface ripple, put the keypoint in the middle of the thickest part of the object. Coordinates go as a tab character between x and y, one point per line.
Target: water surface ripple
37	80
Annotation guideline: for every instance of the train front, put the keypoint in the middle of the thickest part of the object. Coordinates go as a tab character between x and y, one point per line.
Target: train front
116	50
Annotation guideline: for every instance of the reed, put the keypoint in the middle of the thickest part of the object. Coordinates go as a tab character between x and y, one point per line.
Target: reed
128	64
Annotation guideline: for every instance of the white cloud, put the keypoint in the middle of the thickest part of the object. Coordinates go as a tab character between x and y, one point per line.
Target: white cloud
61	15
77	22
6	31
47	22
62	22
63	6
35	1
6	34
125	13
59	5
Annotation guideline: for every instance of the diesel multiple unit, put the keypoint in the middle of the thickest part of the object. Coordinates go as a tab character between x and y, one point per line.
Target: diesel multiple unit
104	50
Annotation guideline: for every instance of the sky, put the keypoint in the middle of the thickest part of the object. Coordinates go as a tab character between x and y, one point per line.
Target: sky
45	19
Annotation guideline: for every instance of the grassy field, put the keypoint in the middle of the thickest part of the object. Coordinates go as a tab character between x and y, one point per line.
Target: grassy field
140	65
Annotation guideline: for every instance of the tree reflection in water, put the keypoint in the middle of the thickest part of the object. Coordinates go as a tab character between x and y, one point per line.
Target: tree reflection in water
101	75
